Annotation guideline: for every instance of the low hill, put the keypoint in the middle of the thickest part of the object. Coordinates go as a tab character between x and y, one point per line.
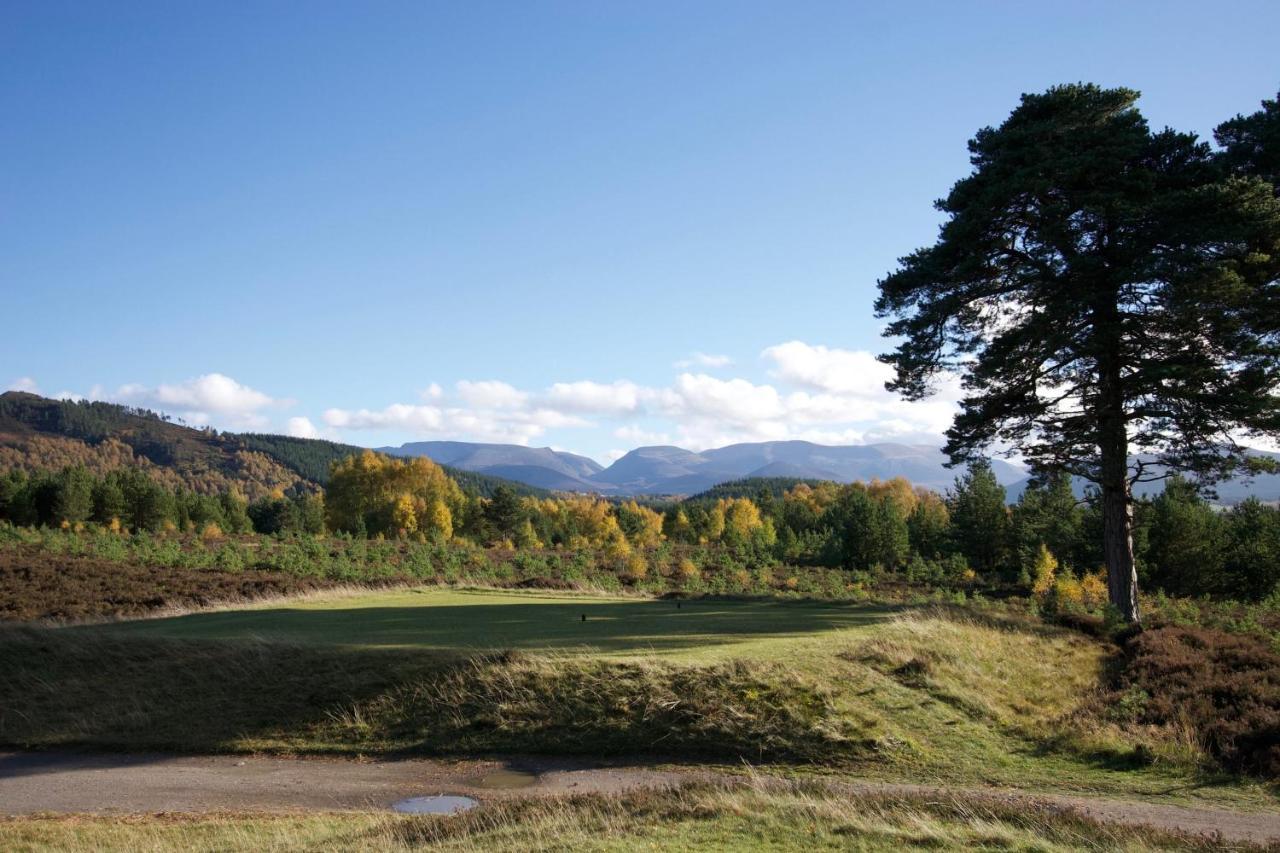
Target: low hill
540	467
37	433
752	487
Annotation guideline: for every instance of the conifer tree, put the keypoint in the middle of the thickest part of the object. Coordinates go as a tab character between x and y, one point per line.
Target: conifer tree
1103	289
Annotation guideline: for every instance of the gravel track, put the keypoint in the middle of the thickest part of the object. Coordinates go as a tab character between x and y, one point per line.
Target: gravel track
77	783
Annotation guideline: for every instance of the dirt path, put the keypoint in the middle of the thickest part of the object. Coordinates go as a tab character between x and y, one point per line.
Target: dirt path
31	783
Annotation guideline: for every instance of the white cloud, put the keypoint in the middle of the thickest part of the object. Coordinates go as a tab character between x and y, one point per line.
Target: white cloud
702	359
24	383
616	398
837	371
301	427
395	416
490	394
734	400
212	392
213	397
432	392
498	419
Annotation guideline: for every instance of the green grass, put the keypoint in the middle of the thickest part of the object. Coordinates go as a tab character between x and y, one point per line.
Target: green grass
443	620
948	696
715	817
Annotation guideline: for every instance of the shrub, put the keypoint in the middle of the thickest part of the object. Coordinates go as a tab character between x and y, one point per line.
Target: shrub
1226	686
1043	574
1093	588
1067	592
230	558
637	567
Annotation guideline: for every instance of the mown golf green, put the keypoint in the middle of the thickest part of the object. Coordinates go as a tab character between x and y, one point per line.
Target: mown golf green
476	620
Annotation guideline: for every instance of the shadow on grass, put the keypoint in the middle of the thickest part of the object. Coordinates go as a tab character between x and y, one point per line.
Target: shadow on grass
393	680
65	688
549	624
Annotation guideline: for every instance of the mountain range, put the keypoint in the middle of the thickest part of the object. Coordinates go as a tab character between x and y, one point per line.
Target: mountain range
38	433
665	470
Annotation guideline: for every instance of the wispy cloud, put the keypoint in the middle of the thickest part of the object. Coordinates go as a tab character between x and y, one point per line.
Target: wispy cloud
24	383
702	359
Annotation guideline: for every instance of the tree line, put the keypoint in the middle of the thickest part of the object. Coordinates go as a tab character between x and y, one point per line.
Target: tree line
1183	545
130	499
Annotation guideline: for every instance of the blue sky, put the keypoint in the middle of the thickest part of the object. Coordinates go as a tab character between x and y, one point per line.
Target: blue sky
589	226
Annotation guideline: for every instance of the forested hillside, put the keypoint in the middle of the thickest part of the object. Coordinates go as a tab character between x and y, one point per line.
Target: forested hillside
40	434
750	487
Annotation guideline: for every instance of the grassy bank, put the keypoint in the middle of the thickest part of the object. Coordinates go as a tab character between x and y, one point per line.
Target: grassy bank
722	817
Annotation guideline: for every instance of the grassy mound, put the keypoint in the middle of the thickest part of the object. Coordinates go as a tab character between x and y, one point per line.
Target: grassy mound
87	688
541	704
1009	673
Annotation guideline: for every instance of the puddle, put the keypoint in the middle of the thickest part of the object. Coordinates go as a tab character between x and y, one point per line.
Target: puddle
506	779
439	804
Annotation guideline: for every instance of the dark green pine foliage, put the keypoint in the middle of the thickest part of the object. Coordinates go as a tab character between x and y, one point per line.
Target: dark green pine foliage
1252	567
309	457
1251	144
866	533
74	495
503	515
1048	513
1102	288
980	518
759	489
1187	544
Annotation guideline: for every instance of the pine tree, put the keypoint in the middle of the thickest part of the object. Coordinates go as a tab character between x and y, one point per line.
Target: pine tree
1102	288
980	518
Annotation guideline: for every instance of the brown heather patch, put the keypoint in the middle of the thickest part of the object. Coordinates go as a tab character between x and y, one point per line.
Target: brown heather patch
1225	687
38	585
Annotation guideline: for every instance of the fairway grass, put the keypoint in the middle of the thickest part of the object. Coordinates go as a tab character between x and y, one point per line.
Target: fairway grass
945	696
467	621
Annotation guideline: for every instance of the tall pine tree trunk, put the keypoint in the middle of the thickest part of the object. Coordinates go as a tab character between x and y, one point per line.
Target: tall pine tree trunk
1117	543
1117	501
